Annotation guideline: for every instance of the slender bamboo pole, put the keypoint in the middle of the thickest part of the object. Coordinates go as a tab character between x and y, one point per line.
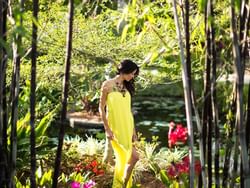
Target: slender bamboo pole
187	98
15	92
242	47
214	101
202	157
33	96
207	109
3	117
65	94
239	89
2	170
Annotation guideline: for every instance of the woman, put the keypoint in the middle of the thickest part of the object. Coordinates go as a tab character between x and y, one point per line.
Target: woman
115	110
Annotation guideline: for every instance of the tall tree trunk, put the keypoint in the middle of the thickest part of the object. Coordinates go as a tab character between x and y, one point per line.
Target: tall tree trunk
189	78
3	100
187	96
15	89
214	100
2	72
245	55
207	110
3	103
65	94
245	27
244	20
239	89
33	96
1	96
187	35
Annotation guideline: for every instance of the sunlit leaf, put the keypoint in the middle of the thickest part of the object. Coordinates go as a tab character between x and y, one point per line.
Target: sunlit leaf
139	37
202	5
124	32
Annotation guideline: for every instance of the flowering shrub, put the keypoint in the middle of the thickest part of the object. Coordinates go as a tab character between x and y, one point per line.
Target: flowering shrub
181	168
176	133
177	170
91	165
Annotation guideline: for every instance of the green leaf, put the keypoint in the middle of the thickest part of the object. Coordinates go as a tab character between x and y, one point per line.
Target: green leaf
164	178
202	5
46	178
124	32
140	37
237	4
44	123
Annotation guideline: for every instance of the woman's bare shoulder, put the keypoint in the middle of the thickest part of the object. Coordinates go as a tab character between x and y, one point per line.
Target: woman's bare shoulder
107	85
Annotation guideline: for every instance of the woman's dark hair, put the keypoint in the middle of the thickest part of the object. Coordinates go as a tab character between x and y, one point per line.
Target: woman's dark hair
126	67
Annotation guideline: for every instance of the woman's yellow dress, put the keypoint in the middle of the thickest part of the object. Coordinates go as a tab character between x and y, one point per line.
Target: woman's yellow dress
121	122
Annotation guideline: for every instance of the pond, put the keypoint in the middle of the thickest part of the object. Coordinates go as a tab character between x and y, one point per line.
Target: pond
153	114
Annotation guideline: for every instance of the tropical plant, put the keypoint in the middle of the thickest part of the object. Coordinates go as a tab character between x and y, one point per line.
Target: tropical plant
43	142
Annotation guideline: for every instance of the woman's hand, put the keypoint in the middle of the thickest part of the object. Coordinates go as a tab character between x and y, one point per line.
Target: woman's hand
134	137
109	134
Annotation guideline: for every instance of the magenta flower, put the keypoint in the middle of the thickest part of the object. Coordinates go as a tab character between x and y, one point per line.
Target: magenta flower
176	134
75	184
89	184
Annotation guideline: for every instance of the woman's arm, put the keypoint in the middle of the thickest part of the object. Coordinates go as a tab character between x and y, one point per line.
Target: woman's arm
102	104
134	138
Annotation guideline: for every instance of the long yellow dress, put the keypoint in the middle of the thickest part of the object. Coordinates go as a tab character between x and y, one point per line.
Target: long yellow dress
121	122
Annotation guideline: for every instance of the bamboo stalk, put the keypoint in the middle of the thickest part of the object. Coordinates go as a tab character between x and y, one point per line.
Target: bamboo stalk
207	110
2	170
3	106
214	101
33	96
187	98
199	126
65	94
14	98
239	87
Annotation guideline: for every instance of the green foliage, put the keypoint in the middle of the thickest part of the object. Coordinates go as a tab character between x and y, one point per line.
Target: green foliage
44	179
164	178
43	142
100	48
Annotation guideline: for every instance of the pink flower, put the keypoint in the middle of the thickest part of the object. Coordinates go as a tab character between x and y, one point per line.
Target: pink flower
75	184
182	167
89	184
179	134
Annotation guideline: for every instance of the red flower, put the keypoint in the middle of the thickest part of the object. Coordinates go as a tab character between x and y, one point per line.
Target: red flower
94	163
100	172
186	159
179	134
95	170
172	172
182	167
